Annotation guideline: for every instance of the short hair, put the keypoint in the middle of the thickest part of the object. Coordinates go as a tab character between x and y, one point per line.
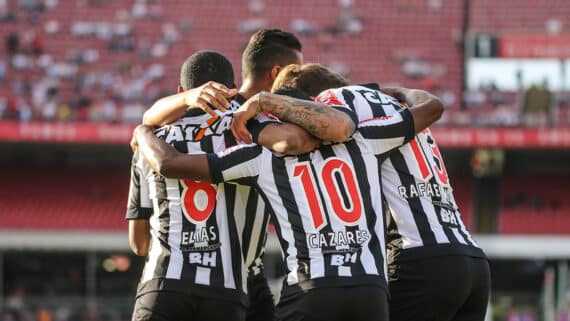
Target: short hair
266	48
310	78
204	66
292	92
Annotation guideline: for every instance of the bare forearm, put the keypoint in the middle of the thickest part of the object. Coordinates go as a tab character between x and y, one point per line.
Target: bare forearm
288	139
167	161
416	96
426	108
139	236
165	111
318	119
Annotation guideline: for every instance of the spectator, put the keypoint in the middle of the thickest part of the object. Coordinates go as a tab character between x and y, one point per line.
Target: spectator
50	4
256	7
104	31
132	113
24	110
169	33
3	108
12	44
51	27
185	25
36	43
537	105
139	9
5	14
303	27
252	25
2	70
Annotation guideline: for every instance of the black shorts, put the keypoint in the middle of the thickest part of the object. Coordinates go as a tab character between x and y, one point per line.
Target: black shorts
358	303
175	306
442	288
261	306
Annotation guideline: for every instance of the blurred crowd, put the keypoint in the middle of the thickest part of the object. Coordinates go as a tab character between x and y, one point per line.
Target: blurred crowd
85	83
77	85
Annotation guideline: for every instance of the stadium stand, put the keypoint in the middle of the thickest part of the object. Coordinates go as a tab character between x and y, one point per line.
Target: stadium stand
93	57
69	65
540	207
60	198
91	198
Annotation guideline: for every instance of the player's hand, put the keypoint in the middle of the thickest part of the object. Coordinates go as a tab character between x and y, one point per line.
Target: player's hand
134	143
210	94
247	111
396	92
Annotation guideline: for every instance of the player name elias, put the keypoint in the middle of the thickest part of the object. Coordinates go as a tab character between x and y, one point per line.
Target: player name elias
202	235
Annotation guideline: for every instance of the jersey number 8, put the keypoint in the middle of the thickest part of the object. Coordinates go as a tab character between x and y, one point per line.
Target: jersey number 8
199	200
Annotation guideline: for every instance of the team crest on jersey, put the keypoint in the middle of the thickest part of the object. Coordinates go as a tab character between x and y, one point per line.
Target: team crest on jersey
328	97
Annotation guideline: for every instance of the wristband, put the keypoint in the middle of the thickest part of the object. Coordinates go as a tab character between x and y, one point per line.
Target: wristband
260	110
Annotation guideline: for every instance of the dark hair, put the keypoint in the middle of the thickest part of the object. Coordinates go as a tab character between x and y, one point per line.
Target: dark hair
310	78
204	66
266	48
292	92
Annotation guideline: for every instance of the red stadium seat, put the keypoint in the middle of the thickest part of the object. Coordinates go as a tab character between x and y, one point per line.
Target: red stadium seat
537	208
64	198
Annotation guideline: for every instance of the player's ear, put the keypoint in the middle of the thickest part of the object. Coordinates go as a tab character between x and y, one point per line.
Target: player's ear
180	89
275	71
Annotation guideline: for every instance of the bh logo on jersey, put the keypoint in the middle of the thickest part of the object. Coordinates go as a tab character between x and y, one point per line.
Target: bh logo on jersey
203	258
341	259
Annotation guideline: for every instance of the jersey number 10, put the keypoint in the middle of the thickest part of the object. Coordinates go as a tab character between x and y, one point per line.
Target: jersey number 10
350	213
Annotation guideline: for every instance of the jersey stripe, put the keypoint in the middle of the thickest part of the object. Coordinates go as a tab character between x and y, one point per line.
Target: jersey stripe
286	193
374	222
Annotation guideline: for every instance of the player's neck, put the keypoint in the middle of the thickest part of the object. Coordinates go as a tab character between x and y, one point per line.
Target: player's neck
250	88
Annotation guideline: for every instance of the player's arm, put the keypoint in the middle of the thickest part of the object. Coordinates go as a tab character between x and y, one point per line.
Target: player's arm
393	131
238	164
318	119
171	108
139	209
139	236
288	139
167	161
425	108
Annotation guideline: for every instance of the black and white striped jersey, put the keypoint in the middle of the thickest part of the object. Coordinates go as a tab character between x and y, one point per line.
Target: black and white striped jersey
325	204
254	236
423	218
203	236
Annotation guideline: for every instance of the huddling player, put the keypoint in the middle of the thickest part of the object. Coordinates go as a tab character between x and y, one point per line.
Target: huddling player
436	270
325	203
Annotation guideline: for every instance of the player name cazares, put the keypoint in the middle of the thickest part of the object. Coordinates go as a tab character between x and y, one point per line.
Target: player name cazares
338	239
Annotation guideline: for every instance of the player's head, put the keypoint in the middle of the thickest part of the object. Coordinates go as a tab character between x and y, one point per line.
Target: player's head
204	66
310	78
267	52
292	92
